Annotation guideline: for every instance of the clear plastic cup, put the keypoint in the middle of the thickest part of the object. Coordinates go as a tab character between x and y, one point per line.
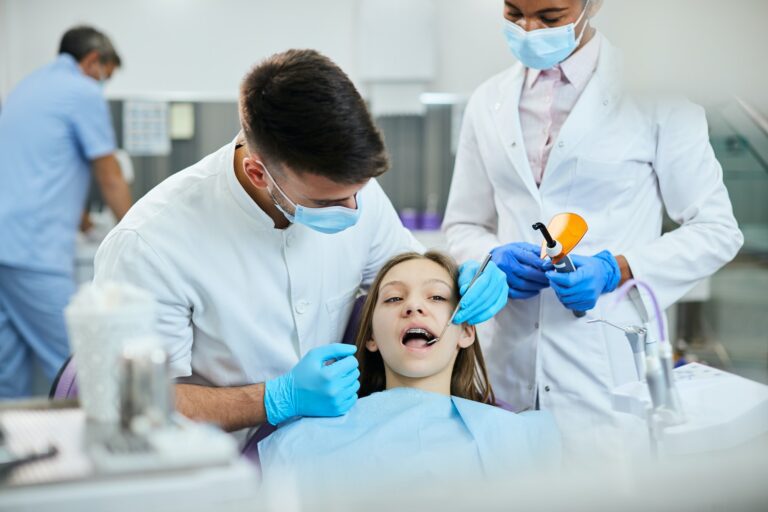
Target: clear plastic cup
101	319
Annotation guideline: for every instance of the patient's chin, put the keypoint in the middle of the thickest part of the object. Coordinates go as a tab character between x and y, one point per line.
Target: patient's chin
418	369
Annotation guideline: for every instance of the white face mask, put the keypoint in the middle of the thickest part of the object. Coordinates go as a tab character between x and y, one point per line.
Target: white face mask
544	48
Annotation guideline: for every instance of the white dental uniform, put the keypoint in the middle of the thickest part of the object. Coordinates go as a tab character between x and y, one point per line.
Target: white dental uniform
239	301
620	164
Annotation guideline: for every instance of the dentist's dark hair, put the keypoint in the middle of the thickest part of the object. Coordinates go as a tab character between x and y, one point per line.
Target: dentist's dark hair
80	41
299	109
469	378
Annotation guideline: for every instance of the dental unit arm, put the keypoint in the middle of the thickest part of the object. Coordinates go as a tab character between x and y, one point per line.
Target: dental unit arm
658	364
691	409
637	338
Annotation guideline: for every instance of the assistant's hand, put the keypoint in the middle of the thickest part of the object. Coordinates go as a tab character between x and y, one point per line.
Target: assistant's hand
523	267
85	223
313	387
594	275
485	298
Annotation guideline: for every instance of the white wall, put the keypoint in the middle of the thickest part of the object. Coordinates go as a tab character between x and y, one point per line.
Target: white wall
709	49
470	45
204	46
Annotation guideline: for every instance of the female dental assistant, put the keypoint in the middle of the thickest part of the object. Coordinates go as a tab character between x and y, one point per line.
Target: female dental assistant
555	133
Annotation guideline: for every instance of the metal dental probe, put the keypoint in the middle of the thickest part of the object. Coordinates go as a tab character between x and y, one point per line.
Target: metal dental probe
458	304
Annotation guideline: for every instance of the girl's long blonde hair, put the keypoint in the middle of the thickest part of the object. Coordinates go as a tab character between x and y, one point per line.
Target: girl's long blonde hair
469	378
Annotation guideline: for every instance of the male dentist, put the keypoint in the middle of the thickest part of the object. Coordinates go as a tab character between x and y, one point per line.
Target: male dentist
257	252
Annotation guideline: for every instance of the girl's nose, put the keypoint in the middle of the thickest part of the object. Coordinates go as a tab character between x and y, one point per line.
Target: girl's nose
413	309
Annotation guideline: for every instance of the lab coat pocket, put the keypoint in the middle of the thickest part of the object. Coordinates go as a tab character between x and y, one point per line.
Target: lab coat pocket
339	309
600	192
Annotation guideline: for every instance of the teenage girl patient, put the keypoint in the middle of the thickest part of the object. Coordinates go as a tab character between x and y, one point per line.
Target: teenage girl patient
423	410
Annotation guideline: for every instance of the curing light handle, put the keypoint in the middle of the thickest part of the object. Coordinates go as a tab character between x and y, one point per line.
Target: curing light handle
560	260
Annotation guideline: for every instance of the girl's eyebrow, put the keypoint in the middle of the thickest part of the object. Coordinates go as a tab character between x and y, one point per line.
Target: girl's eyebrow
392	283
428	281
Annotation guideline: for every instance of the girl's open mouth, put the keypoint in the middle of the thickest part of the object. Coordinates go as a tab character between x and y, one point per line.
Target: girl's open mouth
417	338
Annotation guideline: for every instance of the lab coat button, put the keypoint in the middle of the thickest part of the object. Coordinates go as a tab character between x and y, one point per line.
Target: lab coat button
605	103
561	144
546	388
301	307
536	325
513	144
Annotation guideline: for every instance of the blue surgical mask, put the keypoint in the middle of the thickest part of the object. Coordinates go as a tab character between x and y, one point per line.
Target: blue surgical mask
328	220
543	48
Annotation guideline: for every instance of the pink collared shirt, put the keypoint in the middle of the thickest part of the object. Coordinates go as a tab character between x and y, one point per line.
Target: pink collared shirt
548	97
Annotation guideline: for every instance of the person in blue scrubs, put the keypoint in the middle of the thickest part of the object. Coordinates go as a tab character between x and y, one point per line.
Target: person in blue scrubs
426	413
55	130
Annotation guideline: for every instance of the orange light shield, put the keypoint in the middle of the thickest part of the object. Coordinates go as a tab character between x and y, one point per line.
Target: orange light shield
566	228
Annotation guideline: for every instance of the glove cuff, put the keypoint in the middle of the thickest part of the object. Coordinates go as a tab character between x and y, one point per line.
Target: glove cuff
613	272
279	404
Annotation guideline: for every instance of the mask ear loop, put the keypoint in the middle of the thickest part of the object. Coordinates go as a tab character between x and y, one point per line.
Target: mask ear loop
578	20
294	206
282	193
584	28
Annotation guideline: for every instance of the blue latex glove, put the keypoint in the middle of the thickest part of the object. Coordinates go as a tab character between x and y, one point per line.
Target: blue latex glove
594	275
487	295
524	268
323	383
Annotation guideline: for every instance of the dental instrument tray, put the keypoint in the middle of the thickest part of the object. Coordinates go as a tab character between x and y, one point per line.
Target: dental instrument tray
59	445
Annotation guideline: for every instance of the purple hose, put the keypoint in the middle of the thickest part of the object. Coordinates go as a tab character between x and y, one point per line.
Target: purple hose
634	282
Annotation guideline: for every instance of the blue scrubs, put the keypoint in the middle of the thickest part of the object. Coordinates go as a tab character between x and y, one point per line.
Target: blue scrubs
52	125
406	436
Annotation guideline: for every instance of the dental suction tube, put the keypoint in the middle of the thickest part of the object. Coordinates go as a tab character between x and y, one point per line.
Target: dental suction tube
659	375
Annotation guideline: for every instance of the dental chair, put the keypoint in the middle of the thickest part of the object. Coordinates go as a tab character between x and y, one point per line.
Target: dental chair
64	386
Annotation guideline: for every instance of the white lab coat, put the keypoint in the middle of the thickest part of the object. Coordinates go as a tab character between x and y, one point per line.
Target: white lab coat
240	302
619	163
